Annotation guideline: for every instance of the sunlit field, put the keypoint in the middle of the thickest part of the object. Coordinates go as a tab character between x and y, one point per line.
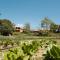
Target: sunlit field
26	47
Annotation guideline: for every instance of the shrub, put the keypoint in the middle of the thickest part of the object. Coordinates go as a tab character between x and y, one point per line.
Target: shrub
53	53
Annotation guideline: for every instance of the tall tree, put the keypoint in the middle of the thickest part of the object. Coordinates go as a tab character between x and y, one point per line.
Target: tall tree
27	27
47	23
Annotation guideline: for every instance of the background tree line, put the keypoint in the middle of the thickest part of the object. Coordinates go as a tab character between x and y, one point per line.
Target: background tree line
7	27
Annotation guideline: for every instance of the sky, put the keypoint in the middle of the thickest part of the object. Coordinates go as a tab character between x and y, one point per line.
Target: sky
30	11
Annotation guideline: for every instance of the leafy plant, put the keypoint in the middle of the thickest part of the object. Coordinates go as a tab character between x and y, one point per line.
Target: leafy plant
14	54
30	49
53	53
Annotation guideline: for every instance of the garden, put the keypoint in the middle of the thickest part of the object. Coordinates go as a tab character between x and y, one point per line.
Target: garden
26	47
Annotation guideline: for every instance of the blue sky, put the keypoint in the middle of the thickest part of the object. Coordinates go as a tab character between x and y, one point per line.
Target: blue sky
32	11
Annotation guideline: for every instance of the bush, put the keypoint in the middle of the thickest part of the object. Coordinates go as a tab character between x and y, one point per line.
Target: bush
6	32
53	53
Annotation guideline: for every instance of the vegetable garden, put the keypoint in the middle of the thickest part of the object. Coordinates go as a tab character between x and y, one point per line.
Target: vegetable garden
21	48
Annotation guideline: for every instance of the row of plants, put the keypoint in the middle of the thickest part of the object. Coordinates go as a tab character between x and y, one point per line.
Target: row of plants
27	49
16	42
19	53
53	53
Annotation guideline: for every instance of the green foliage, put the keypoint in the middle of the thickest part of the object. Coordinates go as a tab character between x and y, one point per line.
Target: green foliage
6	26
14	54
26	49
29	49
45	23
53	27
53	53
24	52
27	28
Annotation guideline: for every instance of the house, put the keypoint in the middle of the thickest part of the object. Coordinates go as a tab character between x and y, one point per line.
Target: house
18	28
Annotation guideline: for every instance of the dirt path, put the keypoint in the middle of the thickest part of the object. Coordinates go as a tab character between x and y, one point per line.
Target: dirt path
39	54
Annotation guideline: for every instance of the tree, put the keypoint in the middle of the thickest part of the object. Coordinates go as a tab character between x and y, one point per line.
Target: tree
53	27
27	27
46	23
6	26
